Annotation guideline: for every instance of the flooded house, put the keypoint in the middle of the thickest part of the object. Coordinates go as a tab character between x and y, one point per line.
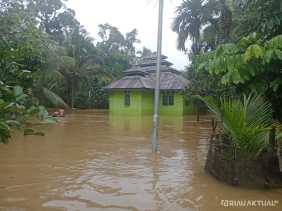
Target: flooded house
134	93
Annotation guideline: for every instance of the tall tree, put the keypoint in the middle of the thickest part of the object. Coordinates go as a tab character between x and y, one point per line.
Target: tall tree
22	54
54	17
252	60
188	22
130	41
206	23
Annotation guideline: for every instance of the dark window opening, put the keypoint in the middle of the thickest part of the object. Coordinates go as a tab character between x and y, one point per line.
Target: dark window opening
127	98
168	99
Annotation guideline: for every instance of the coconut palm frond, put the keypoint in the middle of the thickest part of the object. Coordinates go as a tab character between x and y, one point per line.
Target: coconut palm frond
278	127
213	106
246	121
259	111
56	100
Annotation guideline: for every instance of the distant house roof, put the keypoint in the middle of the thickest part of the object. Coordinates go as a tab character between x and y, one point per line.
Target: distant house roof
142	76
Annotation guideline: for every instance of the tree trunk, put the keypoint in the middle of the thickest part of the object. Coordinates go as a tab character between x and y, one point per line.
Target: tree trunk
198	115
72	93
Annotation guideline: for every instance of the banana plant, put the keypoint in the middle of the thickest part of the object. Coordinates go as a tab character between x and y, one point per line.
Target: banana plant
16	109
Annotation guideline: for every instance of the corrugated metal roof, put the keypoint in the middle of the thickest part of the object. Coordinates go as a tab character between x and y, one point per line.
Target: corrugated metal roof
151	69
168	81
143	77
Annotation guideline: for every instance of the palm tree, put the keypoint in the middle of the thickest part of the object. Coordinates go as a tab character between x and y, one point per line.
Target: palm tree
206	23
188	23
81	61
65	68
49	77
246	122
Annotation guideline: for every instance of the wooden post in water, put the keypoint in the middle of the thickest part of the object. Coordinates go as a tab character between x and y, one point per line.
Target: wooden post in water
198	115
272	139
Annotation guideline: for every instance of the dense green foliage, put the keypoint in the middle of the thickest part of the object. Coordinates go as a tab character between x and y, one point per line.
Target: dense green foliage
236	47
246	122
251	65
236	51
48	58
68	67
21	54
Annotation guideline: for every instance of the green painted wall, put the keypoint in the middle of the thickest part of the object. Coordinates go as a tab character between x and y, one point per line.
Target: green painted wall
142	103
147	103
117	103
176	110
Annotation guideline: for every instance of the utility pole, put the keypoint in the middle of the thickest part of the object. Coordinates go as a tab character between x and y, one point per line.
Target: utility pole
155	145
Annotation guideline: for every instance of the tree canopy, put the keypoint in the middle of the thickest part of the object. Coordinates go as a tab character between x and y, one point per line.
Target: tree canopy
237	43
48	58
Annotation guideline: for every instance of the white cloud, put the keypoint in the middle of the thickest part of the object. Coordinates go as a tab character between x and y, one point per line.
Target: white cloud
129	14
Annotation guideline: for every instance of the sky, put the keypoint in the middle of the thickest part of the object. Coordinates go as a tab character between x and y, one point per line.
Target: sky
129	14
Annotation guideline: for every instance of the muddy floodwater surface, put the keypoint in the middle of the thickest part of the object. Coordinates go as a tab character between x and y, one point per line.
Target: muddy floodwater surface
93	161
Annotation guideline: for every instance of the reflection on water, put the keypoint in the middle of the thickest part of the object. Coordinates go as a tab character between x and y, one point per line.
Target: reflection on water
92	161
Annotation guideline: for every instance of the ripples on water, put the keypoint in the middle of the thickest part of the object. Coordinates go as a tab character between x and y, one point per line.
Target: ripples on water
92	161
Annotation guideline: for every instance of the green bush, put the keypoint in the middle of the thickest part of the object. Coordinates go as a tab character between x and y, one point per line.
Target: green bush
246	122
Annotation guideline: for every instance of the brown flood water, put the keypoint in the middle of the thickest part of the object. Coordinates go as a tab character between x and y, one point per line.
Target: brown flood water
91	161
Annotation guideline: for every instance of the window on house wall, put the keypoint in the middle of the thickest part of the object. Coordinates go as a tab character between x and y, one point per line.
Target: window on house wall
168	99
127	98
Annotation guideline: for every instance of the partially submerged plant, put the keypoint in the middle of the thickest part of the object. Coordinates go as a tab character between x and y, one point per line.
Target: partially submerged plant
246	122
278	133
16	107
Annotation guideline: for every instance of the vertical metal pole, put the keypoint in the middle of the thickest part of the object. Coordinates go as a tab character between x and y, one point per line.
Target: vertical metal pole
157	85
